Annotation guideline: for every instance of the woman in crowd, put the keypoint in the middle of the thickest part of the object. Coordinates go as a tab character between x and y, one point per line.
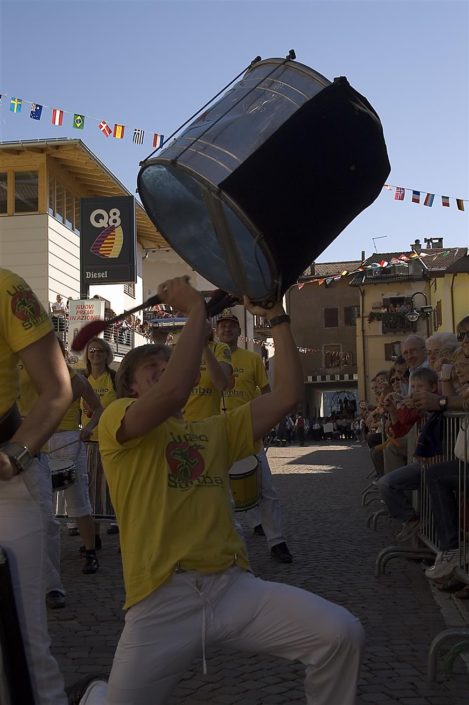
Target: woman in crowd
98	357
66	445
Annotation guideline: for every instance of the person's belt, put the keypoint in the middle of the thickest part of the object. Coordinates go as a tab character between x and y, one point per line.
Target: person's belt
9	423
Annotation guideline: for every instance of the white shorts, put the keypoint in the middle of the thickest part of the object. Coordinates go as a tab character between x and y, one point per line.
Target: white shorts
77	496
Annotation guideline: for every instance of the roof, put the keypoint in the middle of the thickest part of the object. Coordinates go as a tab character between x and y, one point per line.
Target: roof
461	266
329	269
432	261
95	178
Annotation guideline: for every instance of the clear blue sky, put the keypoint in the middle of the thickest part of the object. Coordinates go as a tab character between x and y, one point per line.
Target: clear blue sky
152	64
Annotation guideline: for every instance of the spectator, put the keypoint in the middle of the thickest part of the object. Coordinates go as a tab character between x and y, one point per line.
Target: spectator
395	485
300	429
59	316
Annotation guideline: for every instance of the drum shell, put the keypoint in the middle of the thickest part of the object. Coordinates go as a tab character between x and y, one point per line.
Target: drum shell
245	483
286	191
63	473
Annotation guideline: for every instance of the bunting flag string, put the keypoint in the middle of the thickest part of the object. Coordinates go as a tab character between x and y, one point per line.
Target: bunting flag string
59	118
428	198
401	259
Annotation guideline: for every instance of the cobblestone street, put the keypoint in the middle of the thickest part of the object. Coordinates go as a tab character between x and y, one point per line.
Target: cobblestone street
334	556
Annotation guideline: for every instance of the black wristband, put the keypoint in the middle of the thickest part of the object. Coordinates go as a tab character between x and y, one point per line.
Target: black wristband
277	320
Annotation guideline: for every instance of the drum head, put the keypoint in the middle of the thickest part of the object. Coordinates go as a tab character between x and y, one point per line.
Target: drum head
196	217
59	464
246	465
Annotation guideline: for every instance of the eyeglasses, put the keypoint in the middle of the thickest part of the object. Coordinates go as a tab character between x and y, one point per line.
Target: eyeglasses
100	350
463	334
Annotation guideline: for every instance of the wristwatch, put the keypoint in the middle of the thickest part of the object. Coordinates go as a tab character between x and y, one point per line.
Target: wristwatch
20	456
443	403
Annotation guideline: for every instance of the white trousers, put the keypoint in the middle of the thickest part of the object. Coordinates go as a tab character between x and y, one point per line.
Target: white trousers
269	512
23	535
192	612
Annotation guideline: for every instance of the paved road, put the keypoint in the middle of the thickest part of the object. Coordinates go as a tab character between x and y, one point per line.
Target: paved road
334	553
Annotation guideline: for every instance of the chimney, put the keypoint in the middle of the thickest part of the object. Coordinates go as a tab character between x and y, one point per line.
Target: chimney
363	255
434	242
416	246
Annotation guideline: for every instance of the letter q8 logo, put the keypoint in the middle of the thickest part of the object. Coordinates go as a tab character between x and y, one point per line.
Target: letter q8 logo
101	219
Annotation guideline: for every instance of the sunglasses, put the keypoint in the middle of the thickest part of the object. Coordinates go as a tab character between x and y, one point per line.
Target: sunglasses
96	350
463	335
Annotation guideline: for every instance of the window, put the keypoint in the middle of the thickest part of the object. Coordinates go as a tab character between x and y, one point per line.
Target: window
26	192
129	289
59	202
69	209
392	350
3	192
331	317
351	314
437	315
332	355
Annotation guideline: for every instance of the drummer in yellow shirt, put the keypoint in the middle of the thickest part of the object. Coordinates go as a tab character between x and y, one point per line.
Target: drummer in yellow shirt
216	376
187	579
250	380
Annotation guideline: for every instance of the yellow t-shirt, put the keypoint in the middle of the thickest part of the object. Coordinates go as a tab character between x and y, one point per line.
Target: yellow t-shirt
204	399
104	389
71	419
249	377
170	491
28	396
23	321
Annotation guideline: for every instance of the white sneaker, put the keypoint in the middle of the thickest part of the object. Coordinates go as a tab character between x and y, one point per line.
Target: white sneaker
445	563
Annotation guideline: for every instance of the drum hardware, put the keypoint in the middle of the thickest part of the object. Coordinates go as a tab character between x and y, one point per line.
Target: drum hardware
247	194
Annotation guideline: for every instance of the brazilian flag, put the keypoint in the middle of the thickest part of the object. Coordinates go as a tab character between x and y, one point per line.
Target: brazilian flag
79	121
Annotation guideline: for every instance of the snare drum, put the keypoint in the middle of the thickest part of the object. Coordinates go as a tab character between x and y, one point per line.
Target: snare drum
245	483
63	473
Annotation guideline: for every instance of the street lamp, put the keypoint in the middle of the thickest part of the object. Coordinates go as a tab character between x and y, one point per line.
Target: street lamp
415	313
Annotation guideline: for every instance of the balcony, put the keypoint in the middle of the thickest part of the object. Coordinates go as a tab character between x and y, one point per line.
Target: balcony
393	322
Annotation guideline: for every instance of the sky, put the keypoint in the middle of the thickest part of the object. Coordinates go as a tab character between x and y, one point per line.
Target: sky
152	64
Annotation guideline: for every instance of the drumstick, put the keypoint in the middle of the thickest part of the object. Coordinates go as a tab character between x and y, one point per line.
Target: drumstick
218	301
65	446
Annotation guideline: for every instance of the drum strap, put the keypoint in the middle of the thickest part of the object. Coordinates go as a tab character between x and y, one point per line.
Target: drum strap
9	423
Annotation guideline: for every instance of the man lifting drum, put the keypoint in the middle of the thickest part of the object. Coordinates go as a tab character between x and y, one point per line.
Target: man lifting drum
187	577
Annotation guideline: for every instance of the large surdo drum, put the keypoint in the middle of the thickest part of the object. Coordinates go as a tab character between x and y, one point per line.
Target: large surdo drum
265	179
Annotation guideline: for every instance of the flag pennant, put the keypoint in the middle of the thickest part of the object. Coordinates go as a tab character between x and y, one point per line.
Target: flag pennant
15	105
36	111
78	121
57	116
429	199
118	132
105	129
383	263
139	136
157	140
460	204
400	193
445	201
415	196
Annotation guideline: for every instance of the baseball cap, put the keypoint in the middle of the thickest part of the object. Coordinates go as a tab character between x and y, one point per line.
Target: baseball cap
227	315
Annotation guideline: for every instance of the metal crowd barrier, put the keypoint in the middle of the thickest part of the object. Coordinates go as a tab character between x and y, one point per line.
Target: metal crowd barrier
427	544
